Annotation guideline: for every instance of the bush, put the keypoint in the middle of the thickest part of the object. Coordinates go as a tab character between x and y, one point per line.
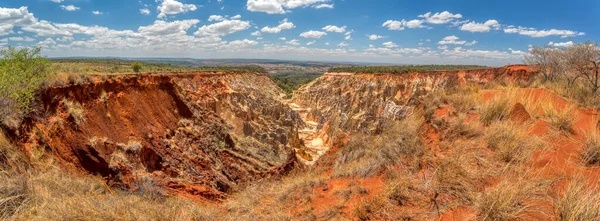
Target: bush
136	66
22	72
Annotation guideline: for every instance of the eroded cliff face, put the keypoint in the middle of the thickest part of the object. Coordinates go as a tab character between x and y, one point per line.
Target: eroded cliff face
199	134
363	102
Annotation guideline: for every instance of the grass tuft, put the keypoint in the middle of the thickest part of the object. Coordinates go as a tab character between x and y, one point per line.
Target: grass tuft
495	110
511	142
578	203
75	111
591	149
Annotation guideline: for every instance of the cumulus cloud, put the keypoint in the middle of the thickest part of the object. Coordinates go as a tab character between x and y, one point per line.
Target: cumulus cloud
390	44
242	43
440	17
293	42
311	43
532	32
320	6
223	28
313	34
400	25
144	11
343	44
279	6
451	40
480	27
283	25
96	12
163	28
216	18
333	28
173	7
561	44
57	1
70	8
375	37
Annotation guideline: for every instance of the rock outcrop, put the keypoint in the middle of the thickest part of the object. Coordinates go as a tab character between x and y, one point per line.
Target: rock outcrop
199	134
363	102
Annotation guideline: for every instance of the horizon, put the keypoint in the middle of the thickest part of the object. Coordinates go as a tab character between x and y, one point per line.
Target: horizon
337	31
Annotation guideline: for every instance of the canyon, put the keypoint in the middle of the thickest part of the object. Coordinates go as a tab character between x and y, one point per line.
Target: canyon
236	141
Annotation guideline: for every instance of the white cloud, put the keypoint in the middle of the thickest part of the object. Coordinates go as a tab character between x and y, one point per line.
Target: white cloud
242	43
451	40
311	43
223	28
532	32
283	25
440	17
216	18
144	11
313	34
27	39
278	6
333	28
343	44
236	17
173	7
293	42
390	44
57	1
163	28
561	44
400	25
329	6
471	43
6	29
375	37
96	12
70	8
282	38
480	27
256	33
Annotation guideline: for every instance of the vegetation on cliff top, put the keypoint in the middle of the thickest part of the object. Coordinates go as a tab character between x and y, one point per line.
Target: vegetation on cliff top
403	69
99	65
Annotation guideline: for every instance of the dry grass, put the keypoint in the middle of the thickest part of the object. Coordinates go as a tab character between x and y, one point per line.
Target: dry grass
590	153
54	195
75	111
511	142
131	147
561	120
495	110
514	198
377	208
579	202
366	155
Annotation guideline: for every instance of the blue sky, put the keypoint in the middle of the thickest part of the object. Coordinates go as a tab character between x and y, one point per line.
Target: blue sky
390	31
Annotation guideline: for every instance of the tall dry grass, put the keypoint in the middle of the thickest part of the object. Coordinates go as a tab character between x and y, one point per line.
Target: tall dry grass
579	202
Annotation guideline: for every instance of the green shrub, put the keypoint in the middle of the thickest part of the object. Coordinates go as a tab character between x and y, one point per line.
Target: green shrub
136	66
22	72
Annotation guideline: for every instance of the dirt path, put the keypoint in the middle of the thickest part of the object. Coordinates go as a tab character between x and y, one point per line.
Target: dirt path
314	145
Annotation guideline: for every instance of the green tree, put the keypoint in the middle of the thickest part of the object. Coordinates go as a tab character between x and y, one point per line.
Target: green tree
22	72
136	66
